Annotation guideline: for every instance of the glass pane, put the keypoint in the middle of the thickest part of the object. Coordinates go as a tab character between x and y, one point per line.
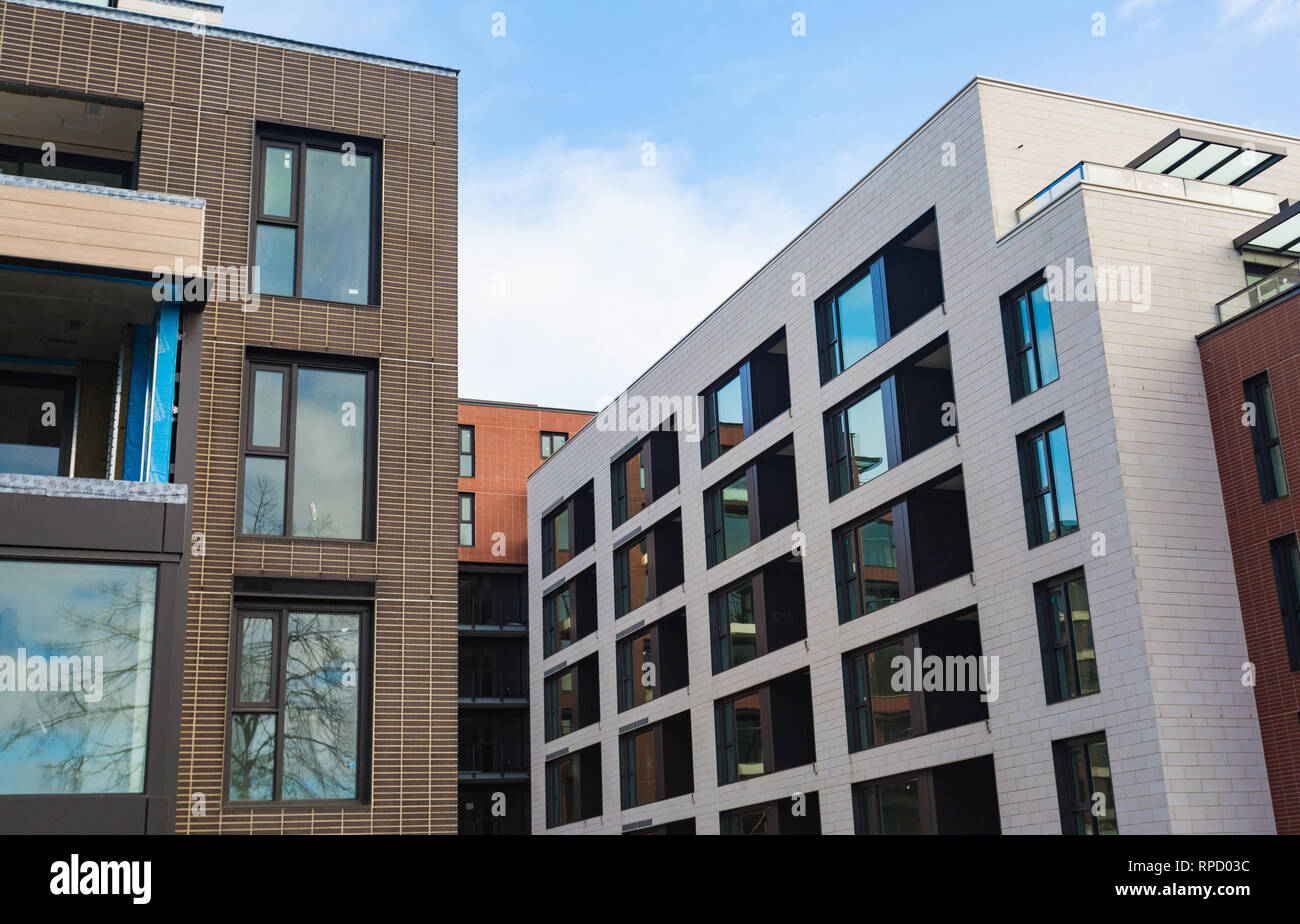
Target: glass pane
466	440
857	311
891	709
638	563
563	619
740	624
749	736
336	227
277	186
1279	472
466	534
263	496
255	660
322	695
642	654
268	400
466	466
735	516
1202	161
731	416
1170	155
900	808
879	565
252	757
1266	407
1045	335
329	464
275	257
1063	481
32	422
643	746
1100	761
561	527
635	475
1081	621
867	457
84	636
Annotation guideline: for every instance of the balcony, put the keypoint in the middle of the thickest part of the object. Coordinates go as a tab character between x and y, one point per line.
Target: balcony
497	684
1281	282
493	612
493	758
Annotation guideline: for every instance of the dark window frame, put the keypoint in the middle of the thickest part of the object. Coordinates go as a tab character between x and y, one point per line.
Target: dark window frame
461	431
855	702
578	615
1258	390
623	566
1016	347
300	140
68	385
1287	582
1031	491
578	532
927	809
583	701
547	437
1070	808
669	677
1050	646
125	169
711	448
461	497
660	463
715	519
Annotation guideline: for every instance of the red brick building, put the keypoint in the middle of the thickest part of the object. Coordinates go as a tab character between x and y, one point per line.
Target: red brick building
1251	366
500	445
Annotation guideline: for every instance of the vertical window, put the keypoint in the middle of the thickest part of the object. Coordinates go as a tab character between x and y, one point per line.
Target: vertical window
571	698
652	662
1266	439
551	442
867	575
569	613
895	807
643	475
879	714
308	450
1047	483
1286	572
1083	779
745	398
569	528
316	233
727	516
467	519
466	452
1030	340
857	443
762	612
297	701
852	321
1065	635
36	421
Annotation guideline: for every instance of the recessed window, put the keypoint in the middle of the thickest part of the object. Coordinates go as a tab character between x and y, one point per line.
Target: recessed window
1030	339
573	785
569	528
298	692
1065	635
466	519
958	798
571	698
1085	786
1047	483
761	612
569	613
649	565
745	398
551	442
308	450
1286	573
652	661
316	205
36	423
751	504
643	474
1265	438
798	814
766	729
654	762
466	452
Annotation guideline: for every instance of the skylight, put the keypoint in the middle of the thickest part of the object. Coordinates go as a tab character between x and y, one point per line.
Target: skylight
1203	157
1278	235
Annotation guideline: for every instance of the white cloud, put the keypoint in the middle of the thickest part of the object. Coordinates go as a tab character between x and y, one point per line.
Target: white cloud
1260	17
605	265
1129	8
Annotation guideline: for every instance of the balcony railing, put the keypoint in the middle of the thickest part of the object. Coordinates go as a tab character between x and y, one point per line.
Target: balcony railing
493	683
493	611
1280	282
493	757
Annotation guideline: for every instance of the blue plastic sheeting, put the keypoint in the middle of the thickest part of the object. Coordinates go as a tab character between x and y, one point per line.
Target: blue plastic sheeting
166	329
137	426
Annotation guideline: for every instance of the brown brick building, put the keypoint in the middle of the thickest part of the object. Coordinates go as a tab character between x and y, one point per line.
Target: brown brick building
500	445
1251	365
298	544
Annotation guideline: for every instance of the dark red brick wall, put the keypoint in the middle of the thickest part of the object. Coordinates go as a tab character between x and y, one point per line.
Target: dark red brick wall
507	447
1268	341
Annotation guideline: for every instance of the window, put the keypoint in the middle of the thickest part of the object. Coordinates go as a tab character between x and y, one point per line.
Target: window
745	398
917	542
891	420
882	296
751	504
654	762
63	616
1286	573
568	529
648	565
1265	438
466	452
1083	781
492	595
308	450
642	475
761	612
958	798
887	702
298	695
766	729
1047	483
571	698
1065	635
492	669
652	661
1030	340
796	815
466	519
551	442
493	741
316	230
36	423
573	787
569	613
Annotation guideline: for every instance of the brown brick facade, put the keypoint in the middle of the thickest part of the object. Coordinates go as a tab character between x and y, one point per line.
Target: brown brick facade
202	96
1265	341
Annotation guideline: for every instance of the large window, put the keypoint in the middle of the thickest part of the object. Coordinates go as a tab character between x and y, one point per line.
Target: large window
648	565
1047	483
571	698
551	442
745	398
882	296
1266	439
652	661
761	612
466	513
958	798
751	504
654	762
308	450
76	658
643	474
569	612
466	452
298	696
316	206
573	787
799	814
1286	572
1083	781
36	423
1065	635
1030	340
765	729
568	529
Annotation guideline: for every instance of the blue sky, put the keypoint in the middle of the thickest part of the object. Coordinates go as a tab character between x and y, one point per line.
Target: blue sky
580	265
